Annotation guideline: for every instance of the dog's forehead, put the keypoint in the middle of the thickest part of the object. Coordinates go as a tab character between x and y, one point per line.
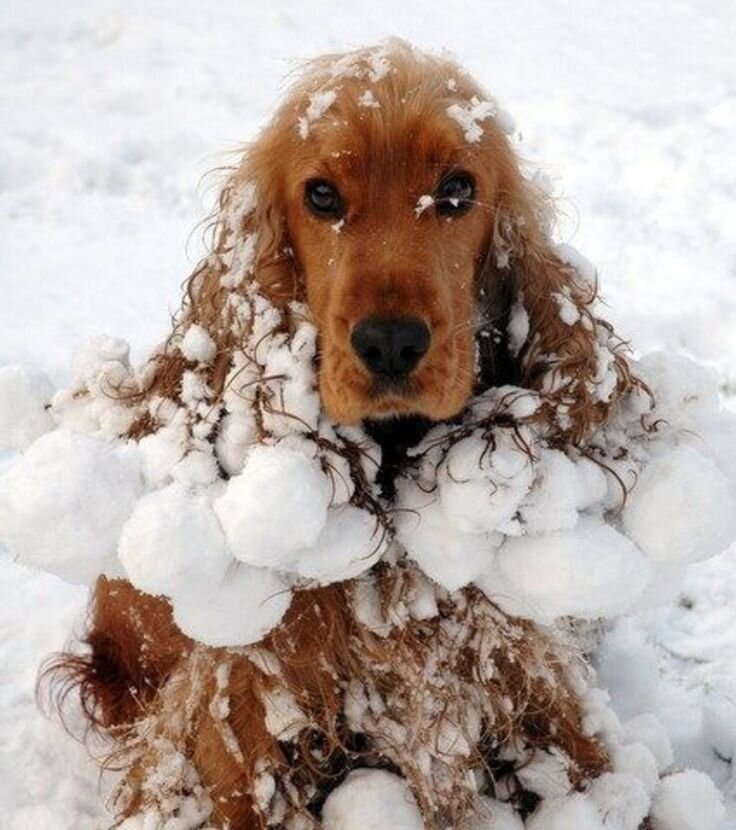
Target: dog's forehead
411	135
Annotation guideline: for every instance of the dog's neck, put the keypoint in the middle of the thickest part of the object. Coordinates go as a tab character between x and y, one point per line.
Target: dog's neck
395	436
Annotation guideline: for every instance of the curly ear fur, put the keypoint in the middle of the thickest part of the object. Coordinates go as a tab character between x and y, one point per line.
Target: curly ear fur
249	245
559	346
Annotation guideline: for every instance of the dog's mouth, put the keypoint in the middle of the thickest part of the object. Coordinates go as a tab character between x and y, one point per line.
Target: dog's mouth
394	387
391	397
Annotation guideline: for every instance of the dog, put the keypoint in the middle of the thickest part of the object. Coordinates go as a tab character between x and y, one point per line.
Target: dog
386	197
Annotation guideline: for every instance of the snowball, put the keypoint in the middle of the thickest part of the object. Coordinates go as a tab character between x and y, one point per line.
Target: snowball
173	543
349	544
628	667
557	494
242	610
197	345
569	313
716	438
574	811
160	452
96	356
584	268
275	507
197	468
589	572
447	555
681	510
687	801
493	815
25	394
622	800
371	799
683	389
64	503
481	487
639	761
648	730
546	774
236	434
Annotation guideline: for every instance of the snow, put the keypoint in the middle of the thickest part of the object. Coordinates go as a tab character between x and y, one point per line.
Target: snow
622	800
24	395
518	327
566	812
64	503
241	610
368	100
111	194
681	509
544	577
687	801
495	814
451	557
647	729
275	481
172	541
319	103
197	345
470	115
371	800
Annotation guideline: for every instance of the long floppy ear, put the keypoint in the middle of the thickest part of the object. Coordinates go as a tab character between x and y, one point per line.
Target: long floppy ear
249	249
558	346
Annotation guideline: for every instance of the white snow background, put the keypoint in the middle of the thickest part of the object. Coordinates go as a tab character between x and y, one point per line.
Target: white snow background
111	112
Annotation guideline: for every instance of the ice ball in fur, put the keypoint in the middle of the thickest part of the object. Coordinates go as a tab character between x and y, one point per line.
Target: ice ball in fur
372	799
590	571
447	555
64	503
681	509
248	604
173	543
275	507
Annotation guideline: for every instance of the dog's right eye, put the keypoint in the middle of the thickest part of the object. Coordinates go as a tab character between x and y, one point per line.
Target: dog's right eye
323	199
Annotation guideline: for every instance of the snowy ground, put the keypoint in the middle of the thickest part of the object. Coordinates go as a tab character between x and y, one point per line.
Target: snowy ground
111	112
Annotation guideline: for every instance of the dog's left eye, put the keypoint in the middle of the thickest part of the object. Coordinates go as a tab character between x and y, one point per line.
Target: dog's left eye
455	194
323	199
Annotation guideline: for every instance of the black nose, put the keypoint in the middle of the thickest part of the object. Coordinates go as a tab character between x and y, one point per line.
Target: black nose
391	347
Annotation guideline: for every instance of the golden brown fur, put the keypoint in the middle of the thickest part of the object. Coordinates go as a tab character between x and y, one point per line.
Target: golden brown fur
145	684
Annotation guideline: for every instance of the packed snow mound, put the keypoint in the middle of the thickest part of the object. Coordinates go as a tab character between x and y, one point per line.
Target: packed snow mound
226	509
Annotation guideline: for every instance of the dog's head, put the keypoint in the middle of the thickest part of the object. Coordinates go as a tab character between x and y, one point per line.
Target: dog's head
389	197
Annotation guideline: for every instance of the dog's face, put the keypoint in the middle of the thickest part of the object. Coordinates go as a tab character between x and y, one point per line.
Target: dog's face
389	213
